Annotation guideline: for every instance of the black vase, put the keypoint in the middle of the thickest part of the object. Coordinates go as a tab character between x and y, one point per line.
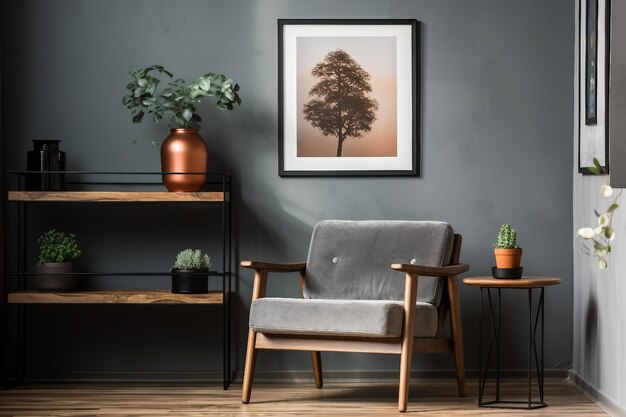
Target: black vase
45	156
190	281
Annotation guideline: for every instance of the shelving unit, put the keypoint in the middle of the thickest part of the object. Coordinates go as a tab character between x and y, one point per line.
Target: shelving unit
80	190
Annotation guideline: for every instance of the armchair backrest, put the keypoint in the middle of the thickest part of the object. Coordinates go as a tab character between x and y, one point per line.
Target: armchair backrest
352	259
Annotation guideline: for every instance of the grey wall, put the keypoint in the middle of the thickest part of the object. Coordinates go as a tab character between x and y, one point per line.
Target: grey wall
496	146
599	310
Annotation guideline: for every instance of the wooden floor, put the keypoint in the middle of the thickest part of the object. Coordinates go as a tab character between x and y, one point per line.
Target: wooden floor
430	398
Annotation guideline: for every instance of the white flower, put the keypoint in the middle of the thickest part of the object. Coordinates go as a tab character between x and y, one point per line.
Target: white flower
606	190
586	233
603	220
602	263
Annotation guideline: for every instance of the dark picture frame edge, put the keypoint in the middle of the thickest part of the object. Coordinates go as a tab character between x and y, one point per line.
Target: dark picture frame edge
590	121
415	99
607	73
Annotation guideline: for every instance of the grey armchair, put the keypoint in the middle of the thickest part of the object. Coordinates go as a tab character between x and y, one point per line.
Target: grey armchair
355	299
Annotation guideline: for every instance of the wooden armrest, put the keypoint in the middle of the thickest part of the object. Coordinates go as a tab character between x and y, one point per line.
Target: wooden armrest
431	271
274	267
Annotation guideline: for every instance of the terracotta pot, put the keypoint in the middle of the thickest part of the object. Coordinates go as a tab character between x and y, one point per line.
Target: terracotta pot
184	151
508	258
53	282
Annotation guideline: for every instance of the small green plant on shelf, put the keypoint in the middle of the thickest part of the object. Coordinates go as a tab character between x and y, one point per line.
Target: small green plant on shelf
192	259
603	234
507	238
179	99
57	247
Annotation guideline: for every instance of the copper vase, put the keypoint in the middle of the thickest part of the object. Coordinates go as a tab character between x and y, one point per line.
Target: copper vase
184	151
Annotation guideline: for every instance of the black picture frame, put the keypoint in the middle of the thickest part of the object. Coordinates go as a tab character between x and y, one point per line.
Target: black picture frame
415	100
602	123
591	63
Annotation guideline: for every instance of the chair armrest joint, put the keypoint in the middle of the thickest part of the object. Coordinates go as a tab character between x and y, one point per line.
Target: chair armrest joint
431	271
274	267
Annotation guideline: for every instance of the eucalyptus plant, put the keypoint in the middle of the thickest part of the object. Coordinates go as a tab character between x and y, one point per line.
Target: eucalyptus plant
178	99
603	234
192	259
55	246
507	238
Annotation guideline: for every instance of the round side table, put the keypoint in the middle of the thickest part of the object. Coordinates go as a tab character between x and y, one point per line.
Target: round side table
534	321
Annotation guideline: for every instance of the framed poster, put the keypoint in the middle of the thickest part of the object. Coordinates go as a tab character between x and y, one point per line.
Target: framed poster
594	70
591	63
348	97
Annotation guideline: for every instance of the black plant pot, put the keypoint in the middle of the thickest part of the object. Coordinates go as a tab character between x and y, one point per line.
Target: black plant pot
190	281
507	273
50	281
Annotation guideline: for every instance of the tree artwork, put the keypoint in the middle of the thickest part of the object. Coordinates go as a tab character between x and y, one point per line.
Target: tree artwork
341	105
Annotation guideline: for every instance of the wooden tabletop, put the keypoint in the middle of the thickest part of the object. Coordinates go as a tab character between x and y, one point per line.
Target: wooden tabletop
524	282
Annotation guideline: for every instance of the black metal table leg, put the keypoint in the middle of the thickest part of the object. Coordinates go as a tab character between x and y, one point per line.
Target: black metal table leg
495	338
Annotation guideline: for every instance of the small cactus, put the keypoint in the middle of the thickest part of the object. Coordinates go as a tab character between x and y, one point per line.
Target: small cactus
192	259
507	238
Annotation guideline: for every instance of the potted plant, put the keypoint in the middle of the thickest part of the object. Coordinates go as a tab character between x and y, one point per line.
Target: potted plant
183	150
508	254
190	274
57	252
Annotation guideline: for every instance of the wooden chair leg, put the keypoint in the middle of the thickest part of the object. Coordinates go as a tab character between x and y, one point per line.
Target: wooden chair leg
248	373
457	337
405	376
316	359
406	354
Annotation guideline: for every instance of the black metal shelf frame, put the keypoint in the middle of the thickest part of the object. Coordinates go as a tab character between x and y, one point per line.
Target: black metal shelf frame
16	181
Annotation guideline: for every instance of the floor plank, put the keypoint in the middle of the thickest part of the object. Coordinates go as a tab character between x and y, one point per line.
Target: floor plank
427	398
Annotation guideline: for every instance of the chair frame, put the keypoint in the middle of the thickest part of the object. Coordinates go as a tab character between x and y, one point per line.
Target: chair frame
405	345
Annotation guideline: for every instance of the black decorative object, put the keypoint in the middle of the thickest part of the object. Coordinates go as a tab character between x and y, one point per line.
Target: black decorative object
507	273
190	281
45	156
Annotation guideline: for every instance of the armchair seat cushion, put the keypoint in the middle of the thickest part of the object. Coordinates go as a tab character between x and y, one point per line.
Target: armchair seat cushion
368	318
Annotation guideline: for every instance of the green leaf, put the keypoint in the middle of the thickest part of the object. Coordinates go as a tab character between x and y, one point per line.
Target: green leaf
612	208
608	232
596	163
138	117
595	170
204	84
197	93
596	213
151	88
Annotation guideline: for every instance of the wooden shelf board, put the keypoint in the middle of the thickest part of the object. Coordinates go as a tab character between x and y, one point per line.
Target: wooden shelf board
115	196
114	297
